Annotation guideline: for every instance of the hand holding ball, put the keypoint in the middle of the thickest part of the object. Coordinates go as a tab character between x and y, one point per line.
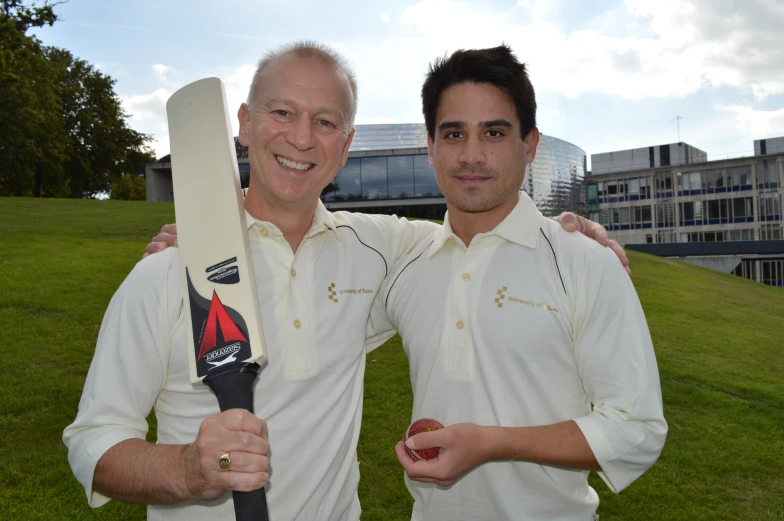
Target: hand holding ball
422	425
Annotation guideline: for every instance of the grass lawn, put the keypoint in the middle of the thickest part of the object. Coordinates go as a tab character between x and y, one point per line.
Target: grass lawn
719	341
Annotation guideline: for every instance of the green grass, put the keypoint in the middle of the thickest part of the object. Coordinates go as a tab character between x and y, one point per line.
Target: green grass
719	341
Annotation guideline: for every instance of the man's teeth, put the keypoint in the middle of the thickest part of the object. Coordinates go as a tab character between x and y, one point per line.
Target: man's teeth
291	164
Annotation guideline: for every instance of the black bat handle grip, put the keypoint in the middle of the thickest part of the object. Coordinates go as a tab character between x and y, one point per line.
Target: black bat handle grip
234	388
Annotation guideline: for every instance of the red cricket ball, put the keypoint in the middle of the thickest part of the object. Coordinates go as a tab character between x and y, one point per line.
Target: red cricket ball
422	425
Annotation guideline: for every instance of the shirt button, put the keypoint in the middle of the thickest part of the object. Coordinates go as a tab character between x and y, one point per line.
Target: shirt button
264	232
452	241
293	272
459	324
466	276
297	324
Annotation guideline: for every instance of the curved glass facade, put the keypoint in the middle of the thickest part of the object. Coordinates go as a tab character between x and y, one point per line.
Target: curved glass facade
389	162
556	178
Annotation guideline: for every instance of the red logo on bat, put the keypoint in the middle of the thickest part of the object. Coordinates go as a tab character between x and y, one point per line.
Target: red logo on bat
218	317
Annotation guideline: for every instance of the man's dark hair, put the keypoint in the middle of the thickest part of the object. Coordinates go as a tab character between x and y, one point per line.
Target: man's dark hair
497	66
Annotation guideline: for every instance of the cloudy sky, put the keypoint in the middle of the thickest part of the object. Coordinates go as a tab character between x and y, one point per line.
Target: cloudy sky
609	74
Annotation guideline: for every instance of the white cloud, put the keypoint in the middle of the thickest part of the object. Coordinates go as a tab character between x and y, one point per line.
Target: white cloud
148	111
146	107
679	46
237	84
148	115
163	73
758	124
636	50
764	89
160	145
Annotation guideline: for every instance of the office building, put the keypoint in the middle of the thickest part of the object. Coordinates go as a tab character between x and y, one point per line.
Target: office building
681	197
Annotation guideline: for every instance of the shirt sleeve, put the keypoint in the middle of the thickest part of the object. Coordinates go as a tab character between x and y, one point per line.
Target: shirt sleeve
615	358
128	368
397	236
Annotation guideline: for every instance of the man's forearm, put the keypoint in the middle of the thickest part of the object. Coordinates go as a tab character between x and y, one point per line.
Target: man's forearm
560	445
136	471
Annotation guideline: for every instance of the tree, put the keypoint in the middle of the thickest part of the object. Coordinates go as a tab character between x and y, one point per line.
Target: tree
32	134
100	144
23	17
129	187
63	131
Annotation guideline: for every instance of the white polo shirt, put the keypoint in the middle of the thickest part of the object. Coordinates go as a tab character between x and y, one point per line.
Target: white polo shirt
314	310
529	326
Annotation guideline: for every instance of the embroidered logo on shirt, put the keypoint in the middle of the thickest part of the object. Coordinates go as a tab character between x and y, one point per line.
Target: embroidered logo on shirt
333	292
500	297
514	300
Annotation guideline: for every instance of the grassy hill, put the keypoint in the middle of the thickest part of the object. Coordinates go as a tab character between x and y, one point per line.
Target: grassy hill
719	341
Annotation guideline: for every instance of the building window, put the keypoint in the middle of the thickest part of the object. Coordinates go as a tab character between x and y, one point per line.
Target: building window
604	218
642	216
634	186
740	235
401	176
664	155
624	217
665	214
349	182
767	175
424	178
772	272
374	177
770	206
645	192
745	176
770	232
663	183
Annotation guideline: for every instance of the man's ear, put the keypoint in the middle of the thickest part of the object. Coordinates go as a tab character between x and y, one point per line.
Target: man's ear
346	146
531	142
243	115
430	145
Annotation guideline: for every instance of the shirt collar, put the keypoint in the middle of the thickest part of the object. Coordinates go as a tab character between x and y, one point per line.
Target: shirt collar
322	220
521	227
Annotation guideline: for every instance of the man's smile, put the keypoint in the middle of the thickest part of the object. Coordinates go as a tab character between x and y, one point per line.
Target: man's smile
293	164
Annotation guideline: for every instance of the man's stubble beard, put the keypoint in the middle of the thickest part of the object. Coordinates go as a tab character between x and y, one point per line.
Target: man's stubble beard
475	199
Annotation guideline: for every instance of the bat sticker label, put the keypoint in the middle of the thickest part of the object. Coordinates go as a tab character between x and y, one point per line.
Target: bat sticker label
220	334
230	275
221	264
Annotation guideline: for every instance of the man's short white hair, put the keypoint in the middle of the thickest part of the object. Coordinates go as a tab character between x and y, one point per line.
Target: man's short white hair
311	50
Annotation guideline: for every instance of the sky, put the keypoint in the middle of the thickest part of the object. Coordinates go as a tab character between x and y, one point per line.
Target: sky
609	75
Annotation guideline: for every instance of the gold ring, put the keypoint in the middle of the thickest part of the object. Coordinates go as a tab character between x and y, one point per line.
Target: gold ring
225	462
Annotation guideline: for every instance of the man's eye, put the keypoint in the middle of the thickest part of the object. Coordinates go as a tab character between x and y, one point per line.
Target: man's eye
325	123
494	133
281	113
453	135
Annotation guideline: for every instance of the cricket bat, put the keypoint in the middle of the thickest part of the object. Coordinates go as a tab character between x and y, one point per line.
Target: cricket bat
219	287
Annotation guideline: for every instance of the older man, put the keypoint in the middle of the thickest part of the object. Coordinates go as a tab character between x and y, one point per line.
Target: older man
538	356
298	125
